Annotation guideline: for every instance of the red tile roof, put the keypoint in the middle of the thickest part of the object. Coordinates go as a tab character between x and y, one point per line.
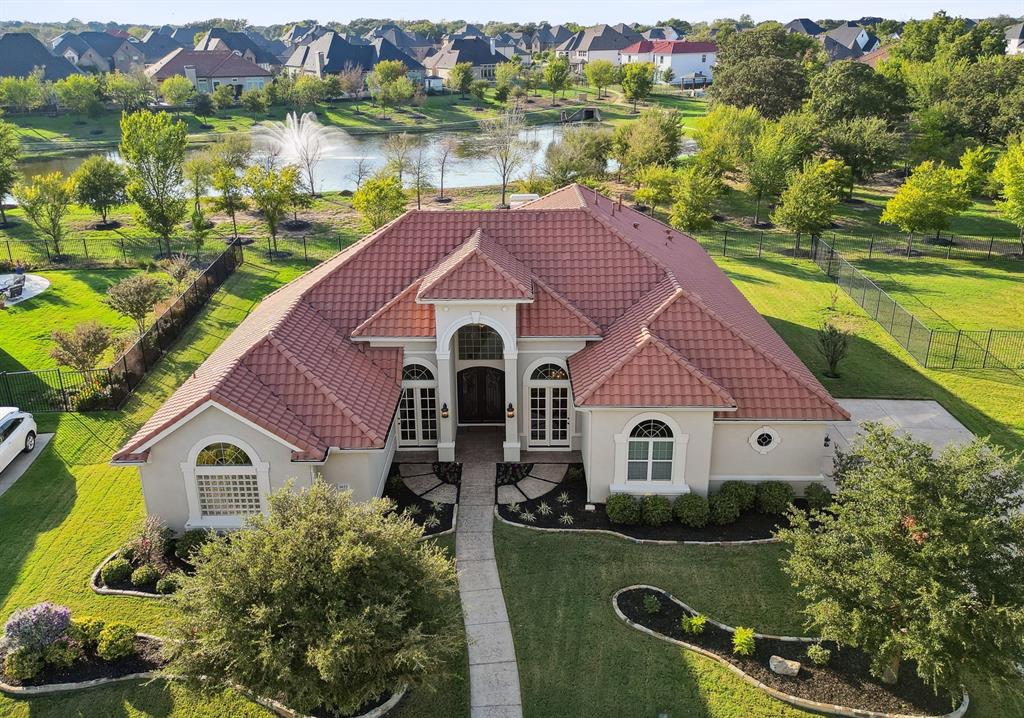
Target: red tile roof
208	63
676	331
669	47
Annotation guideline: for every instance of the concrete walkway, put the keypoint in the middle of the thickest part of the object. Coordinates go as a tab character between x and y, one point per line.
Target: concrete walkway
924	420
21	463
493	672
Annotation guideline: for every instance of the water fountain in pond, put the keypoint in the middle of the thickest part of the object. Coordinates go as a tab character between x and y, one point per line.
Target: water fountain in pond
304	142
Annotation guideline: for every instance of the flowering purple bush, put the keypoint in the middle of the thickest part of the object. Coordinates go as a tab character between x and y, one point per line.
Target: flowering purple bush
35	628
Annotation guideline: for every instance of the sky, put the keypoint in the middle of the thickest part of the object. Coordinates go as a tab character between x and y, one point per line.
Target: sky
586	12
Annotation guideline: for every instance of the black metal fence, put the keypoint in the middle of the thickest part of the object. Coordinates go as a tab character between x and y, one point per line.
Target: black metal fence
860	246
107	388
98	251
932	348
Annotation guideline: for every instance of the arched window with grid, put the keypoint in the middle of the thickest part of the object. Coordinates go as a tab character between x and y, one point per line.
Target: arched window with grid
226	482
651	446
548	391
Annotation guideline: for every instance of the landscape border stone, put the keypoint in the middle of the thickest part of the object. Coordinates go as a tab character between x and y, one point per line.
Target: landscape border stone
804	703
104	591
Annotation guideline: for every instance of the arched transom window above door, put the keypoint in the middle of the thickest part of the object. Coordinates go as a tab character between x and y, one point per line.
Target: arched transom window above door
479	342
417	407
549	372
550	406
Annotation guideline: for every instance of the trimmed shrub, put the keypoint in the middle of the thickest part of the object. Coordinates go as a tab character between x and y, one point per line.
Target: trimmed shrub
774	497
189	542
743	641
724	508
116	641
145	576
169	583
818	654
656	510
744	493
62	654
35	628
623	509
85	631
117	570
817	495
694	625
23	664
692	510
652	604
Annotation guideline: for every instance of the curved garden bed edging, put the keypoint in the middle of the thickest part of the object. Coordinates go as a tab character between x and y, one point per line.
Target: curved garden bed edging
80	685
797	701
455	522
378	712
94	583
634	539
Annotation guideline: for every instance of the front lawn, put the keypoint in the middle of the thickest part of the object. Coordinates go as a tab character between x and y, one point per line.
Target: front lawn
71	509
794	296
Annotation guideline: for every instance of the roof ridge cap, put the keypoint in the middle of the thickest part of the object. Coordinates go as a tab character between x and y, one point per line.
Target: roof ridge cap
296	362
613	369
615	230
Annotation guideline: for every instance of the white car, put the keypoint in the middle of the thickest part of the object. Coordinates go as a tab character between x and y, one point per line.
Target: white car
17	434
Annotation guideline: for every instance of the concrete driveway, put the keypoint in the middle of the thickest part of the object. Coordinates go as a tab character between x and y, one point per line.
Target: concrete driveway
20	465
925	421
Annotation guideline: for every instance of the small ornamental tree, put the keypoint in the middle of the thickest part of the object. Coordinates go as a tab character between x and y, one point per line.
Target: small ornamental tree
132	92
927	201
100	185
153	148
460	77
637	81
581	153
502	143
446	154
656	184
135	297
176	90
1009	174
46	201
772	156
695	193
224	95
202	106
255	101
80	93
808	204
10	154
917	558
323	603
230	195
272	192
668	75
556	76
379	200
833	344
653	138
600	74
82	347
865	144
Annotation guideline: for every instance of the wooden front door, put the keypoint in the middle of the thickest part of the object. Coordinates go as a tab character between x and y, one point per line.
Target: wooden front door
481	395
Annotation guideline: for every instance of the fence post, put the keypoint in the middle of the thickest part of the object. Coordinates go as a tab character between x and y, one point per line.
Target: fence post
63	392
990	243
760	242
9	255
124	255
928	349
949	247
305	254
871	245
85	247
956	348
910	245
988	345
725	243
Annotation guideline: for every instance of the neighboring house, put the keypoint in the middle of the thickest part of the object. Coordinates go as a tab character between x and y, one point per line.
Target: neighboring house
804	26
186	36
695	59
21	54
208	69
1015	39
294	33
274	47
332	53
876	57
569	323
157	45
220	39
628	31
466	31
547	37
100	51
312	34
600	42
848	42
480	53
665	32
412	44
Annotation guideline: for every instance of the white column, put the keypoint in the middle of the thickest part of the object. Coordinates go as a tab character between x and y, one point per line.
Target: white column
511	444
445	427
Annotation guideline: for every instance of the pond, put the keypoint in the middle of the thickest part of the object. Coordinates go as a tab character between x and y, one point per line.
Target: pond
336	169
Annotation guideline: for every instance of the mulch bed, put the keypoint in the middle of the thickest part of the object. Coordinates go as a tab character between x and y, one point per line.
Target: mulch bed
845	681
396	490
176	564
105	226
750	526
90	666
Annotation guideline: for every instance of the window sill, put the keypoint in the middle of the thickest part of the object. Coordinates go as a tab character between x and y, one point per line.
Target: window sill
649	487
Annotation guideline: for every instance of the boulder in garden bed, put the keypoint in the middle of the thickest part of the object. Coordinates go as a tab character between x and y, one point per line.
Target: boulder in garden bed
783	667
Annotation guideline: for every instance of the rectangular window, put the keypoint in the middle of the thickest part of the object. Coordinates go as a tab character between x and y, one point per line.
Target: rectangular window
228	495
407	415
538	415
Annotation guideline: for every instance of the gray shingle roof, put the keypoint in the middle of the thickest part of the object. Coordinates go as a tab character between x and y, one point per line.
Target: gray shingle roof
598	37
237	41
21	53
339	52
470	49
804	26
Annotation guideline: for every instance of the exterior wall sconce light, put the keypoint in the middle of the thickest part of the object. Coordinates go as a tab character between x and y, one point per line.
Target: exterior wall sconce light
444	411
510	412
828	441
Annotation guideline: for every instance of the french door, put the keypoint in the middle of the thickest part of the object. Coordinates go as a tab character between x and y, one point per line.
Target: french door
417	415
549	415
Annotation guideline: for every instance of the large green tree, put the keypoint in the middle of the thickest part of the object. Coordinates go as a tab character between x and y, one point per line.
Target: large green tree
918	558
100	185
1009	174
761	68
773	154
927	201
10	154
725	137
809	202
80	93
581	153
460	77
153	148
637	81
379	199
46	200
230	195
600	74
556	76
865	144
323	603
695	194
847	89
653	138
272	192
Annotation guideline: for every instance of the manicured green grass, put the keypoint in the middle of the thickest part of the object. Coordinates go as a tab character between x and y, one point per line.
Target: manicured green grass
794	296
74	296
576	658
954	294
71	509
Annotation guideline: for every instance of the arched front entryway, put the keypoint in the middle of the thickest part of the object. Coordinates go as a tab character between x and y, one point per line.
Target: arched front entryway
481	395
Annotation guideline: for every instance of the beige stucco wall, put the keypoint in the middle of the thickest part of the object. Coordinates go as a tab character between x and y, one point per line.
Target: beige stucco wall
164	481
797	459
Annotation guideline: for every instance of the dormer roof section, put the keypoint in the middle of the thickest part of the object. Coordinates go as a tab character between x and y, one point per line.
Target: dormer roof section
481	268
